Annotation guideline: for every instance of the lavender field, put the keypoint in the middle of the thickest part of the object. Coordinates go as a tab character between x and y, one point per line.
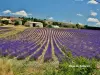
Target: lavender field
47	44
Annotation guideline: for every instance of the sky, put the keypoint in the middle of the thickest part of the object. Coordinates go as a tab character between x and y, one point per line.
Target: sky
75	11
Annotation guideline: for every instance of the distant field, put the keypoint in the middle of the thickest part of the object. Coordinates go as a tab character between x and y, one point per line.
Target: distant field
48	44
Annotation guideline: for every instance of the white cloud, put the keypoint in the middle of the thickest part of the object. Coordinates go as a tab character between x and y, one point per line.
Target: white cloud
98	23
51	18
93	13
21	13
93	20
80	24
79	15
6	12
92	2
18	13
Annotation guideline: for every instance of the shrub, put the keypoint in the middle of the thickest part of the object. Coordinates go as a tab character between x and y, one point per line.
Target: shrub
16	23
5	22
78	66
25	67
1	24
24	21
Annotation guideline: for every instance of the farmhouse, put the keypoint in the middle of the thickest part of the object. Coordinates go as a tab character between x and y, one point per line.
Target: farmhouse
34	24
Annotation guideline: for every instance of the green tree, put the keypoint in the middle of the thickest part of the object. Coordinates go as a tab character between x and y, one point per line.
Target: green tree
16	23
32	19
5	22
78	26
35	20
24	21
85	26
55	23
44	24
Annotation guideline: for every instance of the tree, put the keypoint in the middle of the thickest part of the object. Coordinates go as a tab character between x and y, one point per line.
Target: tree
32	19
49	26
74	26
8	17
85	26
5	22
44	24
78	26
24	21
35	20
16	23
55	23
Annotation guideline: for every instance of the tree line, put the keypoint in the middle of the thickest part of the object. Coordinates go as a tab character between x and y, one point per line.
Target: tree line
45	24
60	24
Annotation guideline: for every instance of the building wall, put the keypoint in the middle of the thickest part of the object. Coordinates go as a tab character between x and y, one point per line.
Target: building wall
39	25
30	24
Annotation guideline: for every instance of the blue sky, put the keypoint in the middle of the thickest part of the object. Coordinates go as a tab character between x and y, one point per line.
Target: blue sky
76	11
